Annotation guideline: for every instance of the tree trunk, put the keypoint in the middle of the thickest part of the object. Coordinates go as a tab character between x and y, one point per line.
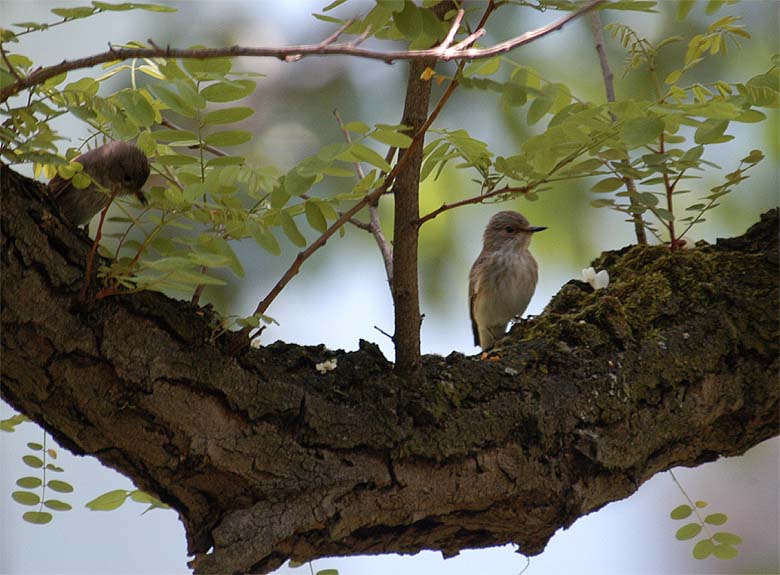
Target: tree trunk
676	363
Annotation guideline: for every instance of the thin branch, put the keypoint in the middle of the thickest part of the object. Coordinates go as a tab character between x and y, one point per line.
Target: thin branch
374	226
609	88
477	200
453	30
293	53
11	67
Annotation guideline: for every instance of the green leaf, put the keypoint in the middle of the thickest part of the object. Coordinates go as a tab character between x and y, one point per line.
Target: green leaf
366	154
391	138
26	497
265	238
59	486
684	7
108	501
206	68
227	115
174	136
219	246
291	230
142	497
10	423
37	517
409	20
607	185
226	161
640	131
228	138
486	67
727	538
35	446
32	461
688	531
171	99
602	203
74	13
176	160
716	518
753	157
649	199
137	107
750	117
703	549
228	91
357	127
57	505
295	184
29	482
328	572
315	216
673	76
333	5
701	504
725	552
711	132
538	108
132	6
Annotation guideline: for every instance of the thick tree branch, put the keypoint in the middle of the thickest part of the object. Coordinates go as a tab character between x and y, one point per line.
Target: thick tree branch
446	52
676	363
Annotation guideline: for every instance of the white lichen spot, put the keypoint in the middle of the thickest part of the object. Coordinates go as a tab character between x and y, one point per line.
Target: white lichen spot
255	343
326	366
597	280
511	371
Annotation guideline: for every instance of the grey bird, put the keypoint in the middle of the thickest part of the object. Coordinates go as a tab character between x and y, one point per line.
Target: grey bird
503	277
119	167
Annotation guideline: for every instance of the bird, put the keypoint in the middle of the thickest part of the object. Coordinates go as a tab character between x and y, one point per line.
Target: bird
118	167
503	277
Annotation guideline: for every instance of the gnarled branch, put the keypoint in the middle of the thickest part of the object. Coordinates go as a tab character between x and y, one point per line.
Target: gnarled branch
264	458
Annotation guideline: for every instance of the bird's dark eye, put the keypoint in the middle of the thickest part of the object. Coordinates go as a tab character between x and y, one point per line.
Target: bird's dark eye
128	179
509	230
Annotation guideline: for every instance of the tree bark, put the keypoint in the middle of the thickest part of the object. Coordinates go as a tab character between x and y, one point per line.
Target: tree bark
675	363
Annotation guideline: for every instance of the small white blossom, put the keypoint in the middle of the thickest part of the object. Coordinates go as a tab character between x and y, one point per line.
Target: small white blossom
327	365
255	343
598	280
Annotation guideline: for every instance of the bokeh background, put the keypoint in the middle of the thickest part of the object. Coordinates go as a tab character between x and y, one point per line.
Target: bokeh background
341	294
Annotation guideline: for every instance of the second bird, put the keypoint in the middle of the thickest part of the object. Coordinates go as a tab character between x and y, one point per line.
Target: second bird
503	278
119	167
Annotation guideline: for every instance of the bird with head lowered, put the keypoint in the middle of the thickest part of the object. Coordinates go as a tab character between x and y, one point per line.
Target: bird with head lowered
116	168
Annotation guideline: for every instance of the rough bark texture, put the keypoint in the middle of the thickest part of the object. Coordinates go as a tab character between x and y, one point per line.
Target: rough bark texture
676	363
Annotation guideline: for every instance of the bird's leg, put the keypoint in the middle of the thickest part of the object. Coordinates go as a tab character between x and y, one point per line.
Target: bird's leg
95	243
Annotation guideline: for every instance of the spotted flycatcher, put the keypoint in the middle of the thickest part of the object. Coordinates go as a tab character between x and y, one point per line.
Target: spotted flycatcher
503	278
117	167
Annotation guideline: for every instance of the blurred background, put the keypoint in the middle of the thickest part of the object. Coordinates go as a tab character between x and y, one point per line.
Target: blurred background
341	293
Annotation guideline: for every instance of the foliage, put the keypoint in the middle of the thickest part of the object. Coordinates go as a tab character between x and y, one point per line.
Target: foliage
33	488
721	544
114	499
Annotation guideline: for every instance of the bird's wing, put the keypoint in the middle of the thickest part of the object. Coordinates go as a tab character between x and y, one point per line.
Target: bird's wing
473	290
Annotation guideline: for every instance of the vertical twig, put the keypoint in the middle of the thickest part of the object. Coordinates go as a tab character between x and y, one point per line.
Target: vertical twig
609	88
374	225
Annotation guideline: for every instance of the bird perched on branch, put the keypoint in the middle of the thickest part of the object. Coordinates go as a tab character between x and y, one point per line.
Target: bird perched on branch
117	167
503	277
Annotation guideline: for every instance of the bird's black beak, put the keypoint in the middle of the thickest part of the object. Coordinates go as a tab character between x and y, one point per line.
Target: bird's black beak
536	228
141	198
